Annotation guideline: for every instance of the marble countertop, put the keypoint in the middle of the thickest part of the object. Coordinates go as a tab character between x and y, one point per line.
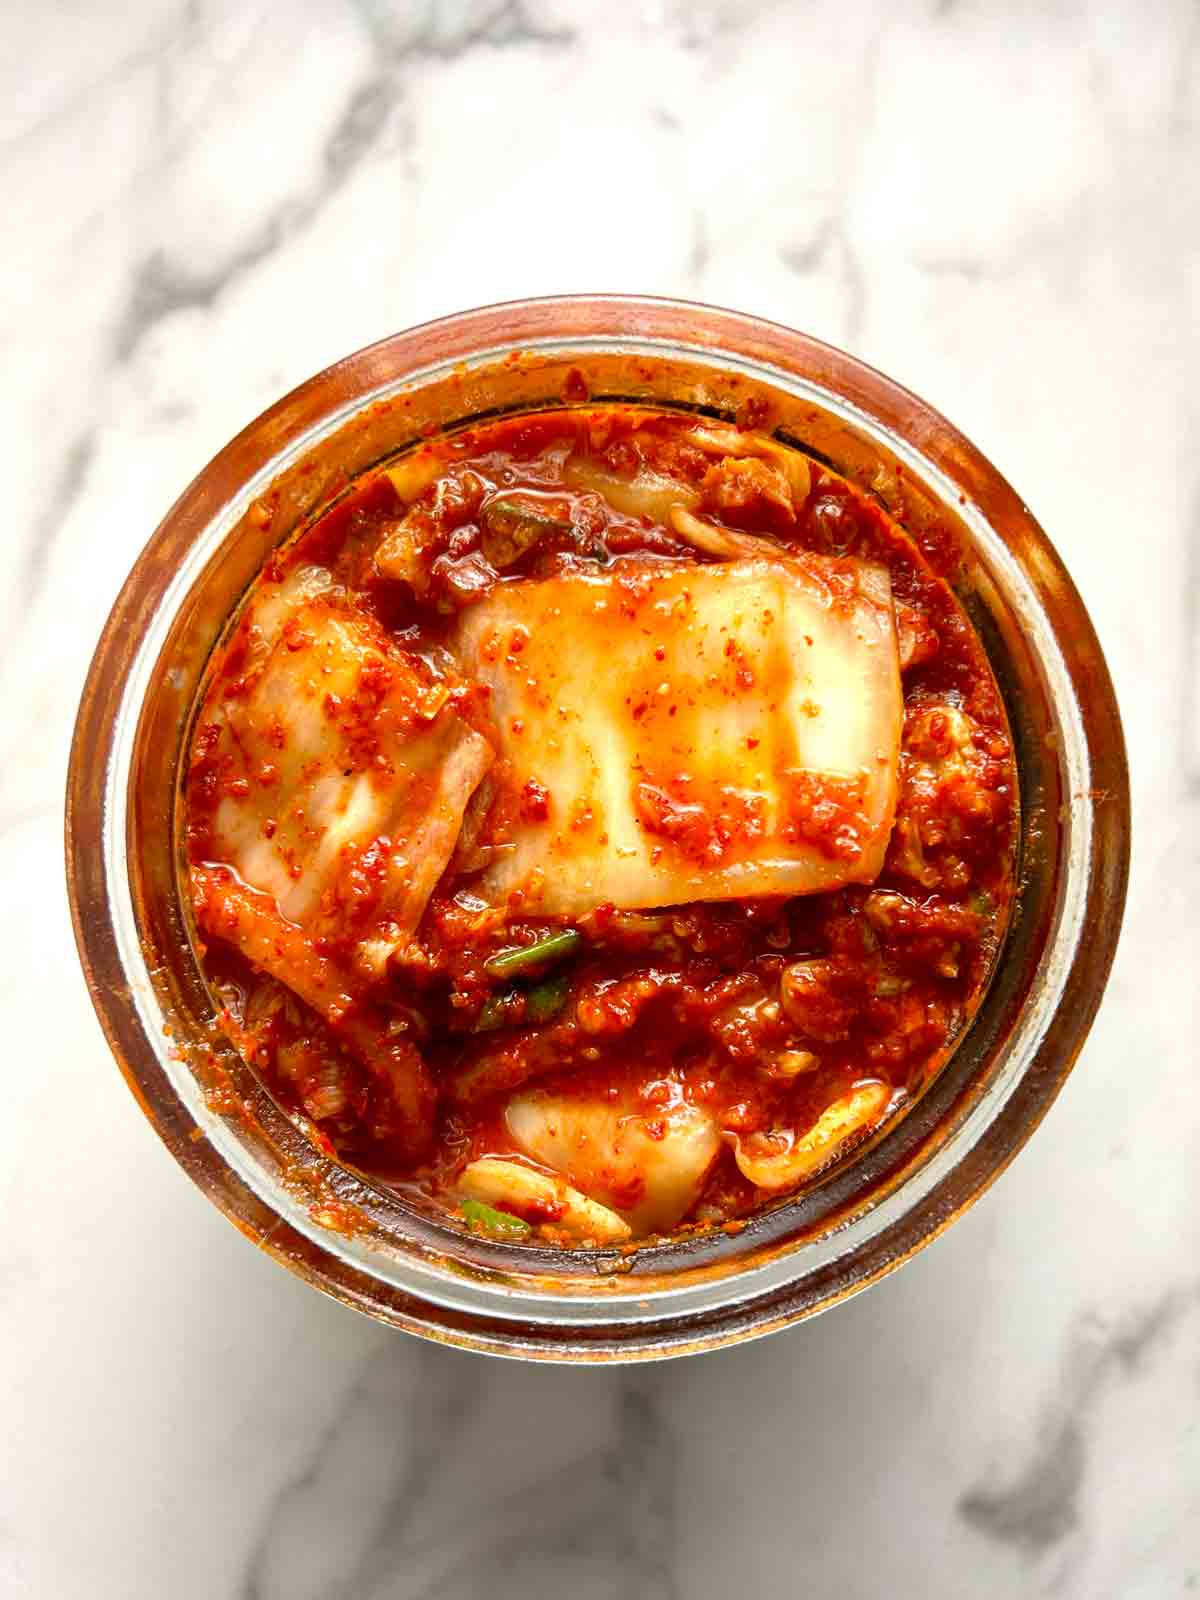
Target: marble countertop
999	205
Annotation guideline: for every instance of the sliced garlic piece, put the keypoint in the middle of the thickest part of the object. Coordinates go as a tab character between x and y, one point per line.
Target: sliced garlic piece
793	1063
846	1120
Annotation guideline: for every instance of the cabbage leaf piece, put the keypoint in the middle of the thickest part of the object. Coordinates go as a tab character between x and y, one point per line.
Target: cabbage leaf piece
691	732
343	768
647	1167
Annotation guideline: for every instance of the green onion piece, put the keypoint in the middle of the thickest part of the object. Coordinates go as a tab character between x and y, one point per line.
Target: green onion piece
513	525
890	985
546	1000
500	1011
551	948
500	1223
515	508
981	903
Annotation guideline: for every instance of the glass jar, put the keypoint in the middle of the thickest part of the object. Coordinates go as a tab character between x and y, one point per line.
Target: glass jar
367	1246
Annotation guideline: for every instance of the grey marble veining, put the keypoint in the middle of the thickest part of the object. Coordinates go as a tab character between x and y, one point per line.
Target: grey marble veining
474	1493
999	205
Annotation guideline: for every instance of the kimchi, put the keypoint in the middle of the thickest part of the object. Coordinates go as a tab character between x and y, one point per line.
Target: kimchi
601	822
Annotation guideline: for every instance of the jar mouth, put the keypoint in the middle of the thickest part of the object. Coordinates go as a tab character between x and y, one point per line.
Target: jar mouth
366	1246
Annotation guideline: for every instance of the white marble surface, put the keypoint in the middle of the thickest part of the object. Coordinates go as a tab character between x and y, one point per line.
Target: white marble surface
1000	206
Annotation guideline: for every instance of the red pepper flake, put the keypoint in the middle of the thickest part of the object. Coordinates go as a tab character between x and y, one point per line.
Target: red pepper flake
535	801
294	636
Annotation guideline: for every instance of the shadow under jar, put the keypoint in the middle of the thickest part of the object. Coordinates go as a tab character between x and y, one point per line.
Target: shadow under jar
384	1249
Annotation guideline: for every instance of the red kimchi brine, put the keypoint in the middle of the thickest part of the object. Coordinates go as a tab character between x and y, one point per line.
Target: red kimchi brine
600	821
